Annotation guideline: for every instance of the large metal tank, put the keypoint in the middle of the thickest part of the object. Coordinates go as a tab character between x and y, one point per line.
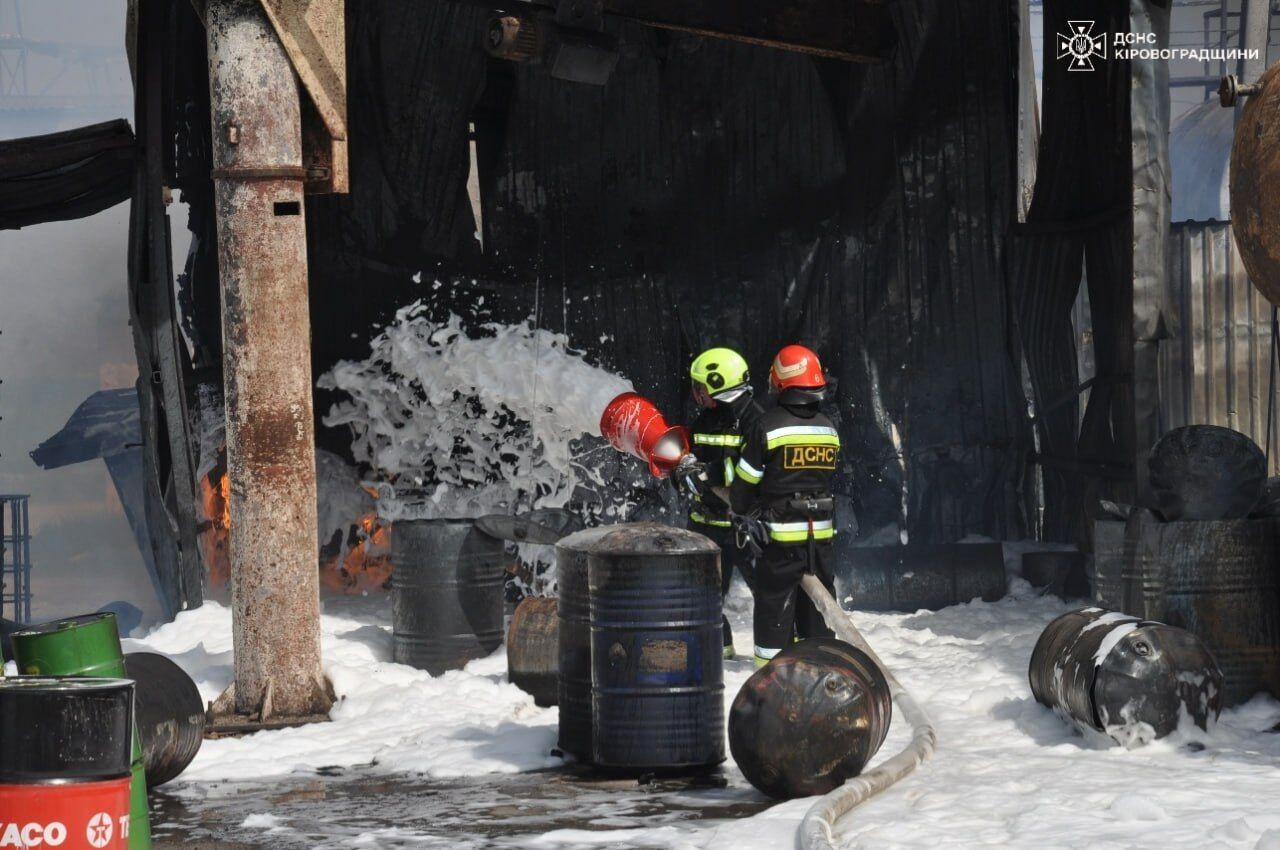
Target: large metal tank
533	649
915	576
1255	186
169	715
574	640
810	720
657	676
1129	679
65	761
1220	583
446	593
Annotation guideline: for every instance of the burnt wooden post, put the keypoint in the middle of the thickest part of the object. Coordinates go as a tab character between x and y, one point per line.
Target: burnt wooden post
262	258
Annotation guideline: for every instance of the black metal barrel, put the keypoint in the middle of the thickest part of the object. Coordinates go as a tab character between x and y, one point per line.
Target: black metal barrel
170	715
657	676
810	720
1206	472
446	599
915	576
64	730
1220	583
1130	679
574	640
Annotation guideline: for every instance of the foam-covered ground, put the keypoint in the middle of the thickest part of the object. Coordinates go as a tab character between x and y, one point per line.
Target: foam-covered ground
1008	773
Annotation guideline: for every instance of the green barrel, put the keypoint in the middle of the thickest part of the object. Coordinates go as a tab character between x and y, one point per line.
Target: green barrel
87	646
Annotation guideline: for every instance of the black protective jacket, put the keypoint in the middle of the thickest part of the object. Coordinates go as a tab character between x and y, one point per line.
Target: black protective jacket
786	466
717	436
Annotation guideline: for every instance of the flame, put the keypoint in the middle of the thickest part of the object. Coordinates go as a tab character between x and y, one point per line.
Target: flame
355	563
367	563
215	501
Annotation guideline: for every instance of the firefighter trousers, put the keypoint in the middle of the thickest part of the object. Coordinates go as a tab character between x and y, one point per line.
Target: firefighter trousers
783	610
732	557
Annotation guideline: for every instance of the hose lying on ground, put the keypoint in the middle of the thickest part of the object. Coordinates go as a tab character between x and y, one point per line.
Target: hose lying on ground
817	829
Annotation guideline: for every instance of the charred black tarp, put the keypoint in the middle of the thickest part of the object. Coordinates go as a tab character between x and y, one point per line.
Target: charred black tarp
66	175
714	193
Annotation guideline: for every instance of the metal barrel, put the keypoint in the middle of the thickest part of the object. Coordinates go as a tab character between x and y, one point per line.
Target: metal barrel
1127	678
1144	566
810	720
533	649
1221	585
1206	472
1050	569
169	715
87	646
1108	564
446	593
915	576
573	609
657	676
65	762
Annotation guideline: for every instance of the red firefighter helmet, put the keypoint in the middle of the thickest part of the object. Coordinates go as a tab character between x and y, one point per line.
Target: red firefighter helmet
797	368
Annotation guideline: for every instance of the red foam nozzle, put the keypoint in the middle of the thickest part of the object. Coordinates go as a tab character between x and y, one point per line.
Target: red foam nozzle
633	424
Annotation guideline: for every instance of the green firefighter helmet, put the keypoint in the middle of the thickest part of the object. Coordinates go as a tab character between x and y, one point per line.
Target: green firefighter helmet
719	375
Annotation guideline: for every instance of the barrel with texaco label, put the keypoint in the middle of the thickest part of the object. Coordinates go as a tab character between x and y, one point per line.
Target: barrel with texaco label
65	758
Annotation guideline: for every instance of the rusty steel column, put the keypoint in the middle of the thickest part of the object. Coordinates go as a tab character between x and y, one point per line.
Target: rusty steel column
262	261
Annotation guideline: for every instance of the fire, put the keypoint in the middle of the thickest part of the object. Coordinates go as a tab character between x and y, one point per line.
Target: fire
215	502
356	562
367	563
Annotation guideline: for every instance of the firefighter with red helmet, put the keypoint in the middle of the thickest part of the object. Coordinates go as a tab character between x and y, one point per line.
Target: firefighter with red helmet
782	491
722	389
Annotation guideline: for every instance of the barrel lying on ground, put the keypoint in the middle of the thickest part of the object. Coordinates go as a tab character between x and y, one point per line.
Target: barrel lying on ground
65	762
446	593
810	719
574	640
657	676
169	715
915	576
533	649
1132	680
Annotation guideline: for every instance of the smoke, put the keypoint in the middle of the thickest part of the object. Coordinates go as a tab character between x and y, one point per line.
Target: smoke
64	330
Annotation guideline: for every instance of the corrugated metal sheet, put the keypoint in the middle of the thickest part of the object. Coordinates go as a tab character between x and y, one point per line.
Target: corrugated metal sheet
1214	369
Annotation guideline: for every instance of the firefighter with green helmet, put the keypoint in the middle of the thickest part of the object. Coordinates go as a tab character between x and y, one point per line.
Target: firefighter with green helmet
722	389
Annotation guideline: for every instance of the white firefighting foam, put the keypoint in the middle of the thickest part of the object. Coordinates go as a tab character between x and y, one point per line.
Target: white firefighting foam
483	422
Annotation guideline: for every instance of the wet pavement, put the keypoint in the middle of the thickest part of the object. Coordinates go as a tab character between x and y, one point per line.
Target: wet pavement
359	808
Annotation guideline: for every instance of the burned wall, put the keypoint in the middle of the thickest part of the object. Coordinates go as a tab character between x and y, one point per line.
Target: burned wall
713	193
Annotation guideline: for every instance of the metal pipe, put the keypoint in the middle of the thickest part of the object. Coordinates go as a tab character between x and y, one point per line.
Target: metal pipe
818	827
262	261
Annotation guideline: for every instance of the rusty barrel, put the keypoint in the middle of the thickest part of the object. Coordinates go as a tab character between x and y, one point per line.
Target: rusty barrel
657	676
169	715
1130	679
446	593
810	720
66	748
1220	584
533	649
573	640
915	576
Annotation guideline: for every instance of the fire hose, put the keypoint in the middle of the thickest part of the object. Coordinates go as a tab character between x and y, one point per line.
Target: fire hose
817	830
